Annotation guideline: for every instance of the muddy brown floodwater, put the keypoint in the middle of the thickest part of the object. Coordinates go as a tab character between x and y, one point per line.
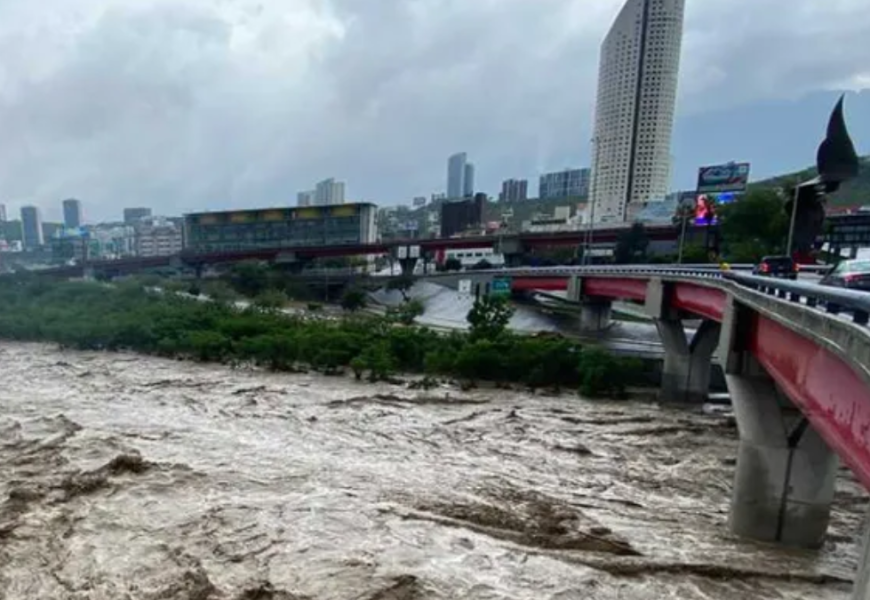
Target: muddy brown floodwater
123	477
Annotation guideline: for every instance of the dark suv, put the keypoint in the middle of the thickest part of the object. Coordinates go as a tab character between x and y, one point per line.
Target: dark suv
783	267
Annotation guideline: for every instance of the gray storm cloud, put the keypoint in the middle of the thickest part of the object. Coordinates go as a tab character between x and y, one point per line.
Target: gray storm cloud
193	104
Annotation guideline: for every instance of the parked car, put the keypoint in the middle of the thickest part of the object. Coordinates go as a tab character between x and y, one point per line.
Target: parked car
852	274
783	267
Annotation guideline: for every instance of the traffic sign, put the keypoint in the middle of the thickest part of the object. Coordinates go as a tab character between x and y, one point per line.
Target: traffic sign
501	286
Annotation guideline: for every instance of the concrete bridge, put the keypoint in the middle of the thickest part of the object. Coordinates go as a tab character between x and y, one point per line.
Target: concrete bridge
796	358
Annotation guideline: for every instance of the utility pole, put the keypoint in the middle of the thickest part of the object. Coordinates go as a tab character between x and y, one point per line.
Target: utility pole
589	238
790	243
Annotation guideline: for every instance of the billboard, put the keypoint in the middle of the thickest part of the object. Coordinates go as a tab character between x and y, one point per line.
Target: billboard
706	205
732	177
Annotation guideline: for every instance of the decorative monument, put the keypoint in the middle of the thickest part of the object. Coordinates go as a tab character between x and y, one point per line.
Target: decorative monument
836	162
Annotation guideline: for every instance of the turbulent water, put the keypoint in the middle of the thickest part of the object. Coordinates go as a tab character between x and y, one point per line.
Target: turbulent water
130	477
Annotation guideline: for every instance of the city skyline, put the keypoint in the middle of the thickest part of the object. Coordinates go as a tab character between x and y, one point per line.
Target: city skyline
345	102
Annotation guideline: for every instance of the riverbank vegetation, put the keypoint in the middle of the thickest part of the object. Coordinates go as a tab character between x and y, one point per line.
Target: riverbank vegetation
94	316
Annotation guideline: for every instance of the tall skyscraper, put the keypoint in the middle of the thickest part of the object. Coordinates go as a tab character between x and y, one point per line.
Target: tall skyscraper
31	227
2	213
456	175
134	215
468	180
329	192
72	213
634	111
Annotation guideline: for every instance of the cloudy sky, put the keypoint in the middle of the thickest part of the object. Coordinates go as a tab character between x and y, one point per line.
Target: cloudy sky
192	104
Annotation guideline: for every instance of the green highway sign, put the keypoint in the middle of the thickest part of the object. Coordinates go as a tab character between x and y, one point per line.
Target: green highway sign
501	286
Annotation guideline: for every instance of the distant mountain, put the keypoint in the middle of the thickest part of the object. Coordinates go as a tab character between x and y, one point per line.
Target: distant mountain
855	192
777	136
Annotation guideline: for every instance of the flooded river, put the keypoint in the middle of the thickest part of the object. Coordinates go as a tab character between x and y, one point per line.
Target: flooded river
124	477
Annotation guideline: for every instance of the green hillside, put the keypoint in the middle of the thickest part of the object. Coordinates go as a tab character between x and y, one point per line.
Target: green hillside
853	193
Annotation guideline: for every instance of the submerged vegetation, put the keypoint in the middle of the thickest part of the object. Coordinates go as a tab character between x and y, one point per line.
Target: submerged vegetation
126	316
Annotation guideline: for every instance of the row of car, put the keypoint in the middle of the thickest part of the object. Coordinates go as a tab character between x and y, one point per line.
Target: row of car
850	274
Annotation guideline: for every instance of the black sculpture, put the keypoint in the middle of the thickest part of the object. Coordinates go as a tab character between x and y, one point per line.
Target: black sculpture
836	162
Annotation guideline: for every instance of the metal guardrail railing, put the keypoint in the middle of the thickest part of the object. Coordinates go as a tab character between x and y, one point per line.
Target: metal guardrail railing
831	299
810	294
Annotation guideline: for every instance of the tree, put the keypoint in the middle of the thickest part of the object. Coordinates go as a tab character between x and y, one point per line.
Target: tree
353	299
452	264
631	245
408	311
270	300
403	284
249	278
754	226
489	317
219	292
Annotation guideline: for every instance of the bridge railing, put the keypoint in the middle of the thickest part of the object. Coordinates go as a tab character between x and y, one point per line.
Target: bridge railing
831	299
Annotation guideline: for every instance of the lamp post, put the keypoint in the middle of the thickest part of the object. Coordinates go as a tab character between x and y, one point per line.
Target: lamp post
789	244
683	212
589	238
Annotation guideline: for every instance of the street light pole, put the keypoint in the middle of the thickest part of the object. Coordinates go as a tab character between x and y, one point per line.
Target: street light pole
788	247
589	238
682	235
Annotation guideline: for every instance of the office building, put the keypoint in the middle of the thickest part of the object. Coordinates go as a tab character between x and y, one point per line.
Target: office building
112	241
570	183
2	213
31	227
70	245
133	215
72	213
419	202
156	236
468	180
304	199
634	111
231	231
514	190
459	216
460	177
329	192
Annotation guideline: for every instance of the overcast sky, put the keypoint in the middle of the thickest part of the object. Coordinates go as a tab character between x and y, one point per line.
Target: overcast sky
192	104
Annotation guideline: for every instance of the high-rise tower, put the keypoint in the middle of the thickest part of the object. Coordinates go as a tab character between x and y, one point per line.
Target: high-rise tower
634	110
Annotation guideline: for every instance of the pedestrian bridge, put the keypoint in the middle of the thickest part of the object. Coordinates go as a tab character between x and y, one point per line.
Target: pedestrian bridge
796	358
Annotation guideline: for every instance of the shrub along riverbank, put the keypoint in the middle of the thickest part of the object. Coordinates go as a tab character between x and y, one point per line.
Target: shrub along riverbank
93	316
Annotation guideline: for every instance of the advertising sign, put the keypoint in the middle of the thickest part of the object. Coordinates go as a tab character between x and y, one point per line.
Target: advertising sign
732	177
706	206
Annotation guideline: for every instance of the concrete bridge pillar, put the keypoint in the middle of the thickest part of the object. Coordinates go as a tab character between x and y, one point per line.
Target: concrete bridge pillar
408	265
595	313
686	372
784	482
861	590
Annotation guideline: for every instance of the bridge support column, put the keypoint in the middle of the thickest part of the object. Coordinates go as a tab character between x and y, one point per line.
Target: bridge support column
686	372
408	265
784	482
861	590
595	313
